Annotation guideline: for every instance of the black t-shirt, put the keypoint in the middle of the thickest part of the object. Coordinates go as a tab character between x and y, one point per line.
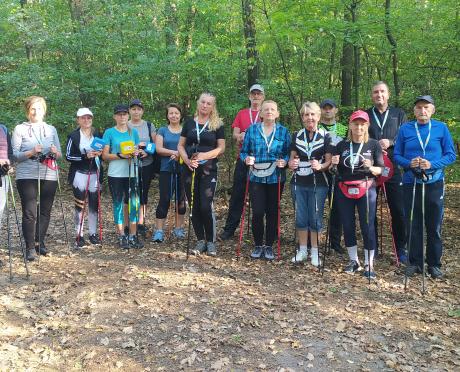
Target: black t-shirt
314	148
370	150
208	138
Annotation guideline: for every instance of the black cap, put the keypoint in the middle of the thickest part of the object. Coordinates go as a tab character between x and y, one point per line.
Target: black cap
329	102
120	108
136	102
428	99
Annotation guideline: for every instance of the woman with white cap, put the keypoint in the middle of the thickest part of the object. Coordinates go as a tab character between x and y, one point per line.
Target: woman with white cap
359	160
84	170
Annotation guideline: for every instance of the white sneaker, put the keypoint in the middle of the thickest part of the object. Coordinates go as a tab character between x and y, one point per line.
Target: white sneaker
315	261
300	256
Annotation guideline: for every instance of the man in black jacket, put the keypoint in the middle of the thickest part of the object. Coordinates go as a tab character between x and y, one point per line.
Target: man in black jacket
384	127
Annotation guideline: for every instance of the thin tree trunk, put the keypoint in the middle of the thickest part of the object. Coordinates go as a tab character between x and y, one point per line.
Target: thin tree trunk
27	45
252	56
394	55
356	57
332	57
347	66
283	60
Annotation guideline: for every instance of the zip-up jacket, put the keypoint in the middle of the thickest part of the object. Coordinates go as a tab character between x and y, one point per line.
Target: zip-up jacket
79	161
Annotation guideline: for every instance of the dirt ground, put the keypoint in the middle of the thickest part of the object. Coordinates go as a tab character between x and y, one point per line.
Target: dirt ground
102	309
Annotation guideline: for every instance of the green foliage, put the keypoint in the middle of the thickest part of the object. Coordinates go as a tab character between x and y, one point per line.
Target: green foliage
98	53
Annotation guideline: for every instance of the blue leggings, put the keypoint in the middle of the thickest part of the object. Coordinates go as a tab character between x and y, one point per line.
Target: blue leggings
347	215
119	188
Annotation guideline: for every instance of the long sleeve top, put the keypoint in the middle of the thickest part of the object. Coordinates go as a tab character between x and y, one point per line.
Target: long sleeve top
439	150
25	137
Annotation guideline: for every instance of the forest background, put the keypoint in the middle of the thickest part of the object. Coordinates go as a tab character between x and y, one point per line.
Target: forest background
97	53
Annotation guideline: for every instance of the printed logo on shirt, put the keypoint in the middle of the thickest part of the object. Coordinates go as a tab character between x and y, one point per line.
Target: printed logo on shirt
213	180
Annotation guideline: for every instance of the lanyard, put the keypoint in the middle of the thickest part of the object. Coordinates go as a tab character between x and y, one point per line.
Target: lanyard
381	126
422	145
198	131
250	116
309	145
262	131
354	159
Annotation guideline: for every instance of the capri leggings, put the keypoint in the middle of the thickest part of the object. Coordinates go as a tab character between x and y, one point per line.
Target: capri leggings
169	182
119	188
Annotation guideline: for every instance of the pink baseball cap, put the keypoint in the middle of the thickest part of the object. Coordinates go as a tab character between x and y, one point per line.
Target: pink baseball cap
360	114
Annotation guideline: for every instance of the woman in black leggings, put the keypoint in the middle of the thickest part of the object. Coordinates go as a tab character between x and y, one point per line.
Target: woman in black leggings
202	140
35	148
170	184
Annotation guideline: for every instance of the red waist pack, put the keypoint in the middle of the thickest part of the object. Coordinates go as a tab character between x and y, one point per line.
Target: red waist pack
355	189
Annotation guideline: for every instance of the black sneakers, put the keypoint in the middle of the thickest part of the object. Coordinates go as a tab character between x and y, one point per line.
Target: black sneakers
94	239
30	255
41	249
352	267
411	270
225	235
135	243
80	243
123	242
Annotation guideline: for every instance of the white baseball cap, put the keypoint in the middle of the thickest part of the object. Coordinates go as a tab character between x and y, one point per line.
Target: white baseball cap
256	87
84	111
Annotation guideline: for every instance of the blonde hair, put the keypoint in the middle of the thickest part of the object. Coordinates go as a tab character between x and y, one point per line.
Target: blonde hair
31	100
366	133
264	103
312	106
215	122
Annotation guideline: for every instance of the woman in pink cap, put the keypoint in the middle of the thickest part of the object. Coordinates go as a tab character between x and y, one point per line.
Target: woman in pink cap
359	160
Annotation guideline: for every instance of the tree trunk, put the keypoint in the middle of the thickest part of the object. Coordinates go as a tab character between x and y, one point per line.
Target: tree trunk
357	59
394	55
252	57
332	56
171	25
347	66
283	59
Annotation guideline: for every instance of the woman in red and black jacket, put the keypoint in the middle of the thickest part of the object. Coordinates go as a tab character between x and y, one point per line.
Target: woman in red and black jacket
84	175
359	159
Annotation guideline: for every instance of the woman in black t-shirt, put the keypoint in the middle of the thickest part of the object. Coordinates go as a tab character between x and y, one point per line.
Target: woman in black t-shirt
202	140
359	160
310	157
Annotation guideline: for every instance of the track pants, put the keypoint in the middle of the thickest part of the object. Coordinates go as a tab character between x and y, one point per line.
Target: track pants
434	209
203	217
235	208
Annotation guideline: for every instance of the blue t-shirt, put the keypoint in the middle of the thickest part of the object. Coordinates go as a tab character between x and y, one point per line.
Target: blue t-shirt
113	137
170	141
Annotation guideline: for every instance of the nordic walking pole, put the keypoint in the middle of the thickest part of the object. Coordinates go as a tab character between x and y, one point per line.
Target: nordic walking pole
380	251
326	250
137	199
296	248
423	238
411	219
38	203
99	211
190	216
246	191
60	202
80	228
21	242
279	214
367	223
8	232
393	243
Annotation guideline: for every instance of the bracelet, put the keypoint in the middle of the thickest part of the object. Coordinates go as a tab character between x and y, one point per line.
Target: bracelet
119	155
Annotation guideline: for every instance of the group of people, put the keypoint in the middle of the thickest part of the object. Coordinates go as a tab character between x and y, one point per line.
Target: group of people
345	164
